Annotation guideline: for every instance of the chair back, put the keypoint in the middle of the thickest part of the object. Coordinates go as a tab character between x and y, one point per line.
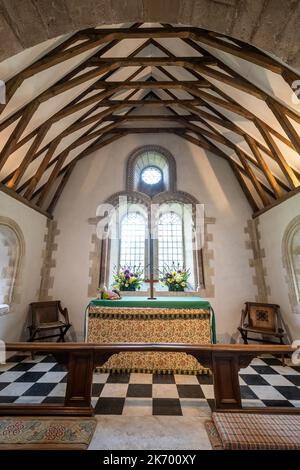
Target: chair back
44	312
262	316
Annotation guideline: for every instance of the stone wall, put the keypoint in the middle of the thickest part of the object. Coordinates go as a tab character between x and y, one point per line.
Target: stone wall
272	25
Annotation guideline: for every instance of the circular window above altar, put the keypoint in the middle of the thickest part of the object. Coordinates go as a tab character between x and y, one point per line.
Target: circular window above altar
151	175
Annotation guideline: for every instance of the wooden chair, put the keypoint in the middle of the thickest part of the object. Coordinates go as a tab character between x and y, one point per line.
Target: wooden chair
47	317
263	319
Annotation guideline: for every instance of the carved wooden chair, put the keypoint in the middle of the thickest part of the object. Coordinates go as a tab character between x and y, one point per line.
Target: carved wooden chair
264	320
47	318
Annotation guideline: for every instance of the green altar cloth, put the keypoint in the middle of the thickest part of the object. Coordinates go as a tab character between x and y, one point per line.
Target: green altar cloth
136	319
161	302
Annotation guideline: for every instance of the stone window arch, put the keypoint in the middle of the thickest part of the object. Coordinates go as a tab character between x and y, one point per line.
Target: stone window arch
12	250
291	261
105	254
151	156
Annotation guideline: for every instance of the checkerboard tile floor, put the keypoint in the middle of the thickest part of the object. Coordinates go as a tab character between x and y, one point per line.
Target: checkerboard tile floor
264	383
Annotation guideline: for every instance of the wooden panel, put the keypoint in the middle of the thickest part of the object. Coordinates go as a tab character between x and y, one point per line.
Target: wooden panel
226	381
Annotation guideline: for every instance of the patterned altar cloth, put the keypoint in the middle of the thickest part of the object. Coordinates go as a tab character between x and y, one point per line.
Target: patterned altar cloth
165	320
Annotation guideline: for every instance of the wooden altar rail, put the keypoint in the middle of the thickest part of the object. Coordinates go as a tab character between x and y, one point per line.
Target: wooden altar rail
80	359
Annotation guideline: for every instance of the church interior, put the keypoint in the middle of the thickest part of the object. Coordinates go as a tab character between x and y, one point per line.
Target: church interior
149	228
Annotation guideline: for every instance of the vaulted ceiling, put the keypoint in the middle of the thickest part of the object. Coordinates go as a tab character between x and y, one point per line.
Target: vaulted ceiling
70	96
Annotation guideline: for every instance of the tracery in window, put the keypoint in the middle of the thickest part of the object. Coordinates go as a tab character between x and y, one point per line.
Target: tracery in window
170	240
132	240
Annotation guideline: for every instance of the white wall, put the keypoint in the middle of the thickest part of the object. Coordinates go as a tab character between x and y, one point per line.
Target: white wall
272	226
205	176
33	226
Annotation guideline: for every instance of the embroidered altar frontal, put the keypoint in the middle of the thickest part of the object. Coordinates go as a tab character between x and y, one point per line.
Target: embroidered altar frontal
139	320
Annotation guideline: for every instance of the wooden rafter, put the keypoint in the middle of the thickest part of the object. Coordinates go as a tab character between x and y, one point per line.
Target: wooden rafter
200	115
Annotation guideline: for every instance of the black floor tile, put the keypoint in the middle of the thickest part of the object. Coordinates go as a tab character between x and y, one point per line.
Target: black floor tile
58	368
16	358
264	370
109	406
205	379
296	368
253	379
97	389
190	391
118	379
4	384
22	366
291	393
272	361
247	393
167	407
58	400
30	377
295	379
7	399
277	403
40	389
49	359
163	379
211	403
139	390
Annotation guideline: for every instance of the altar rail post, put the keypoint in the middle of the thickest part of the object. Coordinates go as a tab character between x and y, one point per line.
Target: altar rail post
224	360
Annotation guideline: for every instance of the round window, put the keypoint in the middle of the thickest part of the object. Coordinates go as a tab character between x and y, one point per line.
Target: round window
151	175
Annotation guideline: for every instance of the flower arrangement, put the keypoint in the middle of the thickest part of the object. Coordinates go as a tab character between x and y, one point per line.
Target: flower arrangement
128	278
175	278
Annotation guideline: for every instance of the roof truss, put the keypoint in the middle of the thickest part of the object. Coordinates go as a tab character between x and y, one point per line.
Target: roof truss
199	110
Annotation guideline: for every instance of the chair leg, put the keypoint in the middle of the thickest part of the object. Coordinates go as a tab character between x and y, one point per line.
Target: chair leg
244	336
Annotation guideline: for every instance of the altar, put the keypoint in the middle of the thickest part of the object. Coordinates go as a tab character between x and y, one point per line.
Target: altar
164	320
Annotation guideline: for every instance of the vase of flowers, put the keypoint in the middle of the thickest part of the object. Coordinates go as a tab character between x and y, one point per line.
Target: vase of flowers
127	278
175	278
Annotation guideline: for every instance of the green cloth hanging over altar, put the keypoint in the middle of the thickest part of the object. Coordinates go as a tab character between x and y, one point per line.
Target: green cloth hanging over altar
137	319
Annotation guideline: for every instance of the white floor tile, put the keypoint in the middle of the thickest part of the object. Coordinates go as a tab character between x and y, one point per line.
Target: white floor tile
208	391
253	403
10	376
164	391
274	379
137	407
52	377
285	370
248	370
58	391
265	392
42	367
241	381
29	399
295	403
114	390
100	378
136	378
195	407
257	362
15	389
181	379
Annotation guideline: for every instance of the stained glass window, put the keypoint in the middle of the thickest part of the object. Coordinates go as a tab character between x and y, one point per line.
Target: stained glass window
132	240
151	175
170	240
